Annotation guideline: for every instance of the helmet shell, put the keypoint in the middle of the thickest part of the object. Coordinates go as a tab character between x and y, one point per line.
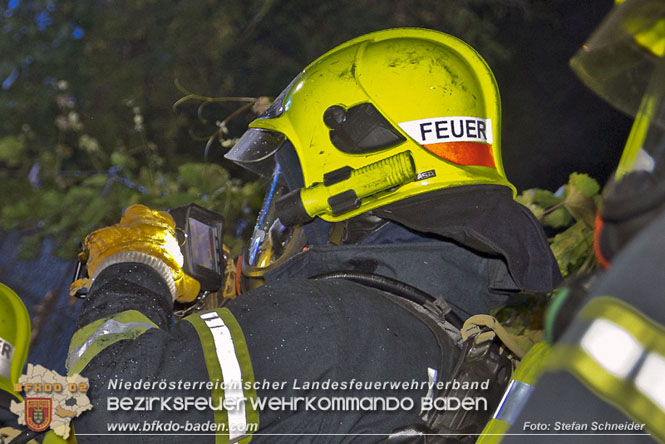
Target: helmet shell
434	89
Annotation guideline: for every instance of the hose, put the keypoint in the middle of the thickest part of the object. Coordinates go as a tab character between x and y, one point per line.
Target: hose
393	286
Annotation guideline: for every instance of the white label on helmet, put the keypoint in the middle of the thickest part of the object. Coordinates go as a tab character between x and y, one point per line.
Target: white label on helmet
449	129
426	175
6	353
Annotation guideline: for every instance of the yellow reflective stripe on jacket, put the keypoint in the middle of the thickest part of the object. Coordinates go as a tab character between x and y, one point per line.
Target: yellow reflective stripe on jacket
620	356
517	394
90	340
648	332
227	360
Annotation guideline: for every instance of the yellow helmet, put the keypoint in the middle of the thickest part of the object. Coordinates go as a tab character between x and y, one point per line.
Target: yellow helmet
14	339
416	92
381	118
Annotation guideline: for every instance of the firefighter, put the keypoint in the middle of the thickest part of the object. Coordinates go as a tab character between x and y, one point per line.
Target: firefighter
14	345
604	379
14	342
389	220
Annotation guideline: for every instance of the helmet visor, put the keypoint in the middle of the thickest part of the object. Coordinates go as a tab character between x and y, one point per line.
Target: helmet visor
645	147
256	149
619	59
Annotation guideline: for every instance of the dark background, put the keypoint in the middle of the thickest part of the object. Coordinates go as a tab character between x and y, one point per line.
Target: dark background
553	125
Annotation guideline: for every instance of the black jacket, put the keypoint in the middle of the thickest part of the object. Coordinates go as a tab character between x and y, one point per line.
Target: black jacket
299	330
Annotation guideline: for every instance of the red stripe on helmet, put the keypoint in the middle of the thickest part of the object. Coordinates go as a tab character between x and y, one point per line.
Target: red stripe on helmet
464	153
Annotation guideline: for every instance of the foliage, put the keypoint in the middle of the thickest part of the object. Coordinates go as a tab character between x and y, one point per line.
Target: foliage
569	214
523	319
87	88
66	204
571	211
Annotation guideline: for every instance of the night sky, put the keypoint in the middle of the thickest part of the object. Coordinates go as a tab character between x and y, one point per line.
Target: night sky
567	128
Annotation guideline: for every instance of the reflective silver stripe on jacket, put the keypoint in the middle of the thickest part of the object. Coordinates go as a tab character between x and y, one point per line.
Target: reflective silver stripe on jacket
110	327
514	399
619	353
612	347
228	362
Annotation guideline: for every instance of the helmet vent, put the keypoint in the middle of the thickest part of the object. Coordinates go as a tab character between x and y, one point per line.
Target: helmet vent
361	129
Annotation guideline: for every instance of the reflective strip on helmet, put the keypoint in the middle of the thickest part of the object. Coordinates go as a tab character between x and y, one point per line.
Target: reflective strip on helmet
463	140
6	354
227	361
464	153
449	129
620	356
90	340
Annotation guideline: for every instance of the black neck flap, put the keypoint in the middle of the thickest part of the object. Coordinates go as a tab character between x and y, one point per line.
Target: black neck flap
487	219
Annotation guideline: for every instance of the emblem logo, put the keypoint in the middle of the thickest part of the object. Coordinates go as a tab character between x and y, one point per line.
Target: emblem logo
38	413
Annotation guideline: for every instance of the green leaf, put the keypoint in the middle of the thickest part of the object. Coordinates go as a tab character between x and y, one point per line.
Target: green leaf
50	203
585	184
191	174
545	198
94	212
573	247
16	214
527	197
123	160
11	149
579	198
204	178
96	181
558	218
173	200
539	201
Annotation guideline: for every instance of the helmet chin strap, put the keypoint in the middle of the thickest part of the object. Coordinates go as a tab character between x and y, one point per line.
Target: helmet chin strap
356	229
317	231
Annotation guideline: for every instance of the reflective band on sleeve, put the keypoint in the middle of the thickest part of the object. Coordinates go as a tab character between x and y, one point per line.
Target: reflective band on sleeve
231	373
110	327
651	379
612	347
650	334
90	340
514	400
620	356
